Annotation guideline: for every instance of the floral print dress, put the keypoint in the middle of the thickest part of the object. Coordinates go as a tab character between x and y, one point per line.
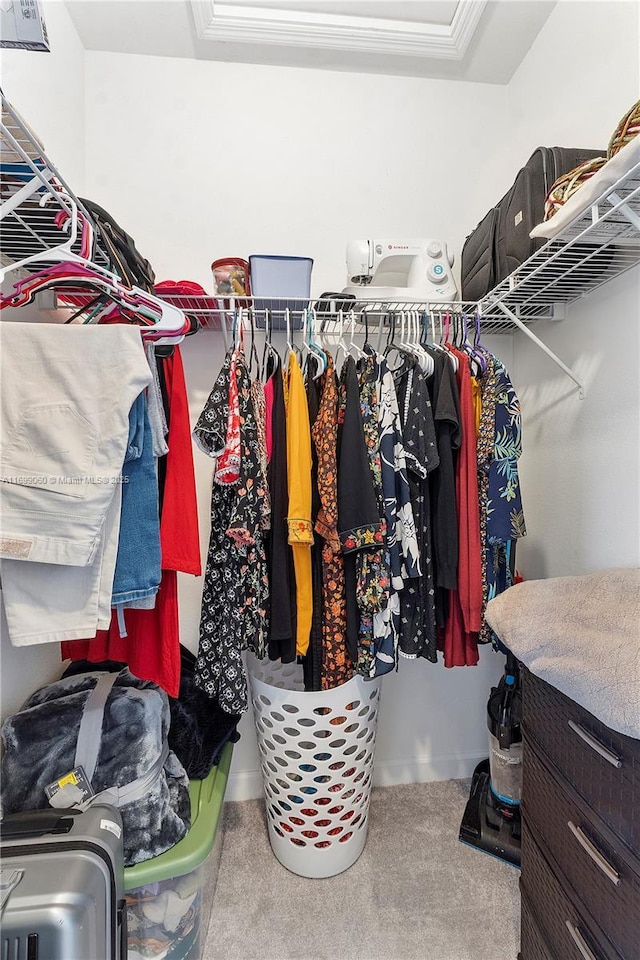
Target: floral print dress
501	512
235	591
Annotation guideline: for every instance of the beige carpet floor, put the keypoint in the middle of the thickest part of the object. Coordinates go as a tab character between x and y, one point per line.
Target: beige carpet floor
416	893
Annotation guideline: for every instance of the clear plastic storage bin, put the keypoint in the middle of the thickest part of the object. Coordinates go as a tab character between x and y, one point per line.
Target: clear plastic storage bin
169	898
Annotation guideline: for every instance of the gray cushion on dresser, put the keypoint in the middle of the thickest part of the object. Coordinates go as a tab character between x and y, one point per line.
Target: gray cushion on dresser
582	635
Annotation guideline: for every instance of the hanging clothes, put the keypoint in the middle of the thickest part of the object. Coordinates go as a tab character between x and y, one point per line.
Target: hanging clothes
499	449
417	601
373	566
401	537
282	585
460	642
235	588
312	661
300	528
444	518
151	648
336	666
359	524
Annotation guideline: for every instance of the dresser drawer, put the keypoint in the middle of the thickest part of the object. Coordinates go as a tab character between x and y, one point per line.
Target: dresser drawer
532	943
587	753
605	876
549	898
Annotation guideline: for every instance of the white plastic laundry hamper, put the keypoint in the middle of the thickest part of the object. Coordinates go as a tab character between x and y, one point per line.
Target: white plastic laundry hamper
316	751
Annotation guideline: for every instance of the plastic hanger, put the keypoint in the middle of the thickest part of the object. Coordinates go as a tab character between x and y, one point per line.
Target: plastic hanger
353	346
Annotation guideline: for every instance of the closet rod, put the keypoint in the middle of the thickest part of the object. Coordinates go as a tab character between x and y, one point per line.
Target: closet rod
521	326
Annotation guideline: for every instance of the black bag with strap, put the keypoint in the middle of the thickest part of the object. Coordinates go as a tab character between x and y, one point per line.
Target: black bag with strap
124	257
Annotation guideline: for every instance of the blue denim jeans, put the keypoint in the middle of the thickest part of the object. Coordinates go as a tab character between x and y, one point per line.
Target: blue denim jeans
138	569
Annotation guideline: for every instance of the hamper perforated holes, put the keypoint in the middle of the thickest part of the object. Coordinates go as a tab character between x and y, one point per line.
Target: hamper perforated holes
360	756
373	695
351	728
285	806
281	761
366	781
294	798
358	798
347	815
269	744
278	831
322	823
361	733
308	767
291	731
309	812
308	790
368	758
346	837
306	722
350	772
336	721
289	707
278	738
311	834
266	721
336	788
264	700
323	779
322	734
285	826
370	737
293	754
307	745
323	801
353	705
337	743
363	712
338	765
356	819
351	750
322	711
348	793
322	756
297	821
322	844
362	823
283	783
272	766
298	843
359	777
295	777
339	807
335	831
277	716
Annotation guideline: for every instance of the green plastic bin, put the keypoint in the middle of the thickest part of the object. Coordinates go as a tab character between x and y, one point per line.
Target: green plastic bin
169	898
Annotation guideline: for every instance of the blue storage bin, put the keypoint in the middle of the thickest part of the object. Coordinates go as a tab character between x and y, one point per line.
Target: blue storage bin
278	283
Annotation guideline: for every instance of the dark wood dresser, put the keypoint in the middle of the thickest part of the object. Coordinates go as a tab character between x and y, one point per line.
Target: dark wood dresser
580	880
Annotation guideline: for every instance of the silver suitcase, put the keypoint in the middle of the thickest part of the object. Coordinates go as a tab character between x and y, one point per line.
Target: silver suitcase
63	885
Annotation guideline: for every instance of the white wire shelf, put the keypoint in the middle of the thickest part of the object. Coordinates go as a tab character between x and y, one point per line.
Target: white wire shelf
32	195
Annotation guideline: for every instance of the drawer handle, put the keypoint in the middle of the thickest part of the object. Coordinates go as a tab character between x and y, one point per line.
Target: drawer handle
580	942
594	853
595	744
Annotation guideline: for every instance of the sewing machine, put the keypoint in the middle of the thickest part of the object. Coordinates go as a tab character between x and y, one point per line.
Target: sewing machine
401	270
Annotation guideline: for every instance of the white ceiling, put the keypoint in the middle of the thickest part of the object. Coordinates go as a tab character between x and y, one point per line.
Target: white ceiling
458	39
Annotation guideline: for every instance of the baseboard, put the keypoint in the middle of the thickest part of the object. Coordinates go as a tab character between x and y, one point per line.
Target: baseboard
247	784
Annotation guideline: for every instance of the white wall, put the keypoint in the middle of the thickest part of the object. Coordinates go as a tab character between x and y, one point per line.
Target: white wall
48	90
581	464
234	159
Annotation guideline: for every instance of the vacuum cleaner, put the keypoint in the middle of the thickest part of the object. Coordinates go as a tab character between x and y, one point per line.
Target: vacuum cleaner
491	820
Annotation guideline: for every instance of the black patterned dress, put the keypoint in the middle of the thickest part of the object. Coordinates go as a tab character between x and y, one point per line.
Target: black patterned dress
235	591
